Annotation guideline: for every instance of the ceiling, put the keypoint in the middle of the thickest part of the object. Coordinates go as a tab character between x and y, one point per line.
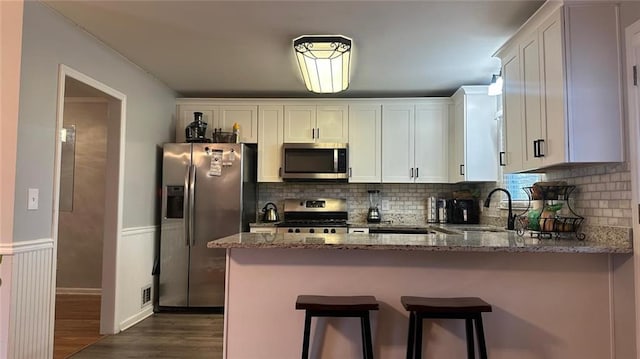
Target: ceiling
244	48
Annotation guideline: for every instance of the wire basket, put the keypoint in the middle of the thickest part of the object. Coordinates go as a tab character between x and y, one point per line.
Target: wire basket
559	226
224	137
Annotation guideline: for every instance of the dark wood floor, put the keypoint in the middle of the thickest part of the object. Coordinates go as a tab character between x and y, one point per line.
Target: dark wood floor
163	335
77	323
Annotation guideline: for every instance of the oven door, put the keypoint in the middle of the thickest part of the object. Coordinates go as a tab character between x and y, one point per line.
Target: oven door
311	161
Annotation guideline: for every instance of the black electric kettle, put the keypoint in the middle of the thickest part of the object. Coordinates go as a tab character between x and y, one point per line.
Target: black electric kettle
270	214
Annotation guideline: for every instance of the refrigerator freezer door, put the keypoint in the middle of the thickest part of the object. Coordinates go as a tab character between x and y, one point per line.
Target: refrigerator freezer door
218	209
174	248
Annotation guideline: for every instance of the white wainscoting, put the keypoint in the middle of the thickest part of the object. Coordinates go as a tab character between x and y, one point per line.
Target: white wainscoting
136	254
31	284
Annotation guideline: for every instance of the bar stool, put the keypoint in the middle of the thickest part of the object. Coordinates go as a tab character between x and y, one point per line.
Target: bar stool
338	306
469	308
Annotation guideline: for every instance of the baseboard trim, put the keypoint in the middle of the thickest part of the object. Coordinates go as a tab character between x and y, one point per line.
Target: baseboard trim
78	291
25	246
136	318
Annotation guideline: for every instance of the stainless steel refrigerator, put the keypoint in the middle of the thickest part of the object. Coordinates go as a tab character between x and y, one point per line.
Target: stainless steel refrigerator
208	192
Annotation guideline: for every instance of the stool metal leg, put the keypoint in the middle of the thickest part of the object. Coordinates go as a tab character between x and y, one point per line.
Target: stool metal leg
482	346
307	333
470	344
411	337
418	338
363	337
367	335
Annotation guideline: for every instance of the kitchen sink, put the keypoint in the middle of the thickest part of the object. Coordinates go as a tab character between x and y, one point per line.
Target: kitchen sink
459	229
402	230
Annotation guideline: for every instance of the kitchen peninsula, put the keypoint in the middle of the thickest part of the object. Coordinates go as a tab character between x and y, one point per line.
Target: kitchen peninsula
551	299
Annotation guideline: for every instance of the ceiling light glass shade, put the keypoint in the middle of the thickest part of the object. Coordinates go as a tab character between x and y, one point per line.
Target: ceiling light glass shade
324	62
495	88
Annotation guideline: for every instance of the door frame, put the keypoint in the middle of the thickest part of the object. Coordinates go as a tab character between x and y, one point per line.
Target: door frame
632	39
114	188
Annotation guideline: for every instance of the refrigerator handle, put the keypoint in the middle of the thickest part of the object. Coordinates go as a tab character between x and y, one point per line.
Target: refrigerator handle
192	190
185	205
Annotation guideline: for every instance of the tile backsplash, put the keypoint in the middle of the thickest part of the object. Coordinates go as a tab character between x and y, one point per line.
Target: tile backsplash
602	194
407	201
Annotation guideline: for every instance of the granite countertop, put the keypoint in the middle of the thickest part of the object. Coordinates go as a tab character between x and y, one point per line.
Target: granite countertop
462	241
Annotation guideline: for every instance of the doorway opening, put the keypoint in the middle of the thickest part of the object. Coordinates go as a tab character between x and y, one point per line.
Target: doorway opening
87	210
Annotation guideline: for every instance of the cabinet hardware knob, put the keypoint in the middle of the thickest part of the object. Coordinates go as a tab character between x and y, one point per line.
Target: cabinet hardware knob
411	173
541	149
502	162
461	170
350	172
417	174
313	133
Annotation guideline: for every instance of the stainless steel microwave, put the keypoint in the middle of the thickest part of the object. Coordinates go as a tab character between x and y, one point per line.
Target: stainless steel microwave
315	161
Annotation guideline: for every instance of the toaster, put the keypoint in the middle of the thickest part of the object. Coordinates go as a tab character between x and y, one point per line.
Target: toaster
463	211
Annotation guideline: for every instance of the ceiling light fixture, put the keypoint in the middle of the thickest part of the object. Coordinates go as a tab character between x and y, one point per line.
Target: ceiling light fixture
324	61
495	88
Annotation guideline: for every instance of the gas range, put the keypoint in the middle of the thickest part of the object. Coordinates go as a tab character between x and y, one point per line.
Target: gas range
317	215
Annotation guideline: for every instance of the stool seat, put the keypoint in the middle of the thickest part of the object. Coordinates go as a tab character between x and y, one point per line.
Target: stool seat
336	303
468	308
459	305
357	306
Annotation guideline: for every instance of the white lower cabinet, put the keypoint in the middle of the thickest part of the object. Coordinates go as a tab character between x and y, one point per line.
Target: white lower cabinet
358	229
270	139
414	142
365	143
271	230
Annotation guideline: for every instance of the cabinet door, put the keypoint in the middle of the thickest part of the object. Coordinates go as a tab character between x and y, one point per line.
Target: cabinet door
480	138
210	115
332	124
530	69
299	123
365	143
456	147
397	143
554	148
431	141
512	113
270	139
245	116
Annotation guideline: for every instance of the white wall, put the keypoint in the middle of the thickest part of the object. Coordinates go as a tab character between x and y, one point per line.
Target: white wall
10	38
50	40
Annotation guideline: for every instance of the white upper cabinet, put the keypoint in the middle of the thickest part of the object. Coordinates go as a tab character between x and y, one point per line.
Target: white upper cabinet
473	142
365	143
511	157
220	115
566	101
316	123
246	116
431	134
414	142
210	116
270	139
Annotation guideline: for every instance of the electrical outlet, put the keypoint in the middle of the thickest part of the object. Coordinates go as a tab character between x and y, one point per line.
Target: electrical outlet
386	205
32	199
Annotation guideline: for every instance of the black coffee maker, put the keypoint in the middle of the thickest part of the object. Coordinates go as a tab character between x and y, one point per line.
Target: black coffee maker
463	211
196	130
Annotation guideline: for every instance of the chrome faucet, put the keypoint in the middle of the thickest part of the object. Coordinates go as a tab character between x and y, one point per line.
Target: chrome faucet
511	218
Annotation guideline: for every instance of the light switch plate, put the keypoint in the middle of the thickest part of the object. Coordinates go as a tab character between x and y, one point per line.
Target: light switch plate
386	205
32	199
